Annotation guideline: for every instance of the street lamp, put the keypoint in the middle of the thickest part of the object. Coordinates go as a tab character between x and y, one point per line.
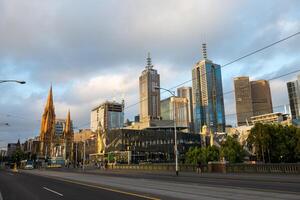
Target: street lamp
175	132
16	81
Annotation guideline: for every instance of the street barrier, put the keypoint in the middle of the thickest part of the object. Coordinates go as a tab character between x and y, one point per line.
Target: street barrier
215	167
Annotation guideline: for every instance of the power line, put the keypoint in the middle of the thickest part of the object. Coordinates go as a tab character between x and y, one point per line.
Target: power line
227	64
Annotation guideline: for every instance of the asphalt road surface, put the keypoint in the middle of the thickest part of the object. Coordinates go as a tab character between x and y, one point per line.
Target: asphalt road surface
22	186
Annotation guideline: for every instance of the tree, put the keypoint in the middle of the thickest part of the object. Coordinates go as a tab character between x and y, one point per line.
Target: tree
17	156
202	154
231	150
278	143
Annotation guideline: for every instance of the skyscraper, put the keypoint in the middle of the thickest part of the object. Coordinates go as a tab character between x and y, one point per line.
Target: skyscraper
294	97
149	95
243	100
187	93
261	97
252	98
208	103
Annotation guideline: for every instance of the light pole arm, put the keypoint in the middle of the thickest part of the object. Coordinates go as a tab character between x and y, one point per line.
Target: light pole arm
16	81
172	93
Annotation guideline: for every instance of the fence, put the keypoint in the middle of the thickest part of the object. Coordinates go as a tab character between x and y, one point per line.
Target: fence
219	167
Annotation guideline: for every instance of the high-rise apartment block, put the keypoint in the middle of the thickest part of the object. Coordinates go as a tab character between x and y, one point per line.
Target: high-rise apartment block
294	98
252	98
208	100
186	92
107	116
149	94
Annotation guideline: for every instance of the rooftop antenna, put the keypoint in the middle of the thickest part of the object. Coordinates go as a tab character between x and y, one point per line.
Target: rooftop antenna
204	52
149	64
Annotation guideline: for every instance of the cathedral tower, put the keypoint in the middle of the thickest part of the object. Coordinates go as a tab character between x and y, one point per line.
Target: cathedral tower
47	131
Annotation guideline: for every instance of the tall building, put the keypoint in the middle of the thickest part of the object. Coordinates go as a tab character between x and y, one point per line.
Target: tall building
294	97
208	103
252	98
107	116
187	93
243	100
149	94
47	131
261	97
181	110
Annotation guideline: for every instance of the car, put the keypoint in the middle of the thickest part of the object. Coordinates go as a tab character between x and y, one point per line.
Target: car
28	166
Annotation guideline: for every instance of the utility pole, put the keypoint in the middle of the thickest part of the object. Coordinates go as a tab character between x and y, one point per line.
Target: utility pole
83	156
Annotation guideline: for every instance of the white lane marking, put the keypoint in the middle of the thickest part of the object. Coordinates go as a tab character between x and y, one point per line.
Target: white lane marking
53	191
1	198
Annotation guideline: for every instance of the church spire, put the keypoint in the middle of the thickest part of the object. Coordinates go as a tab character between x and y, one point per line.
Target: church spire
47	131
48	118
68	127
49	104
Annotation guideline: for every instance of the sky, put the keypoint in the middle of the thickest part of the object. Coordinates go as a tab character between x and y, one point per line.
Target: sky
95	50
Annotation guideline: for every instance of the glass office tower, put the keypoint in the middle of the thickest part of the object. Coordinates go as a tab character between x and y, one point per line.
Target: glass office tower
208	103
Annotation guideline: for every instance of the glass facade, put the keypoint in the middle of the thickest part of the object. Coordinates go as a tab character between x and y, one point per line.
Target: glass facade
294	99
208	97
116	120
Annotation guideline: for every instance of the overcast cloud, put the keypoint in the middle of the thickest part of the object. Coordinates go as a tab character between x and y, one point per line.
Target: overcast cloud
94	50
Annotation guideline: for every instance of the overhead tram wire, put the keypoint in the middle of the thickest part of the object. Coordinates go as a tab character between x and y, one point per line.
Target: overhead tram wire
226	64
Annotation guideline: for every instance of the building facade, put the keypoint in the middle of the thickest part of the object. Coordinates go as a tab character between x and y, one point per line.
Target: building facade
208	103
243	100
293	88
149	94
150	145
261	97
107	116
181	110
271	118
252	98
12	148
187	93
60	125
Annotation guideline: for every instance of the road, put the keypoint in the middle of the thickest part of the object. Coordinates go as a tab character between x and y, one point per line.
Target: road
113	184
283	183
166	185
23	186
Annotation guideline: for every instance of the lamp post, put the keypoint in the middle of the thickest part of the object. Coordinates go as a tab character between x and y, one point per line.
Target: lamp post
175	132
16	81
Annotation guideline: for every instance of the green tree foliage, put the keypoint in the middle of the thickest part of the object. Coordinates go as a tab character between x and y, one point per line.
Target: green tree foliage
17	156
203	155
231	150
275	143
